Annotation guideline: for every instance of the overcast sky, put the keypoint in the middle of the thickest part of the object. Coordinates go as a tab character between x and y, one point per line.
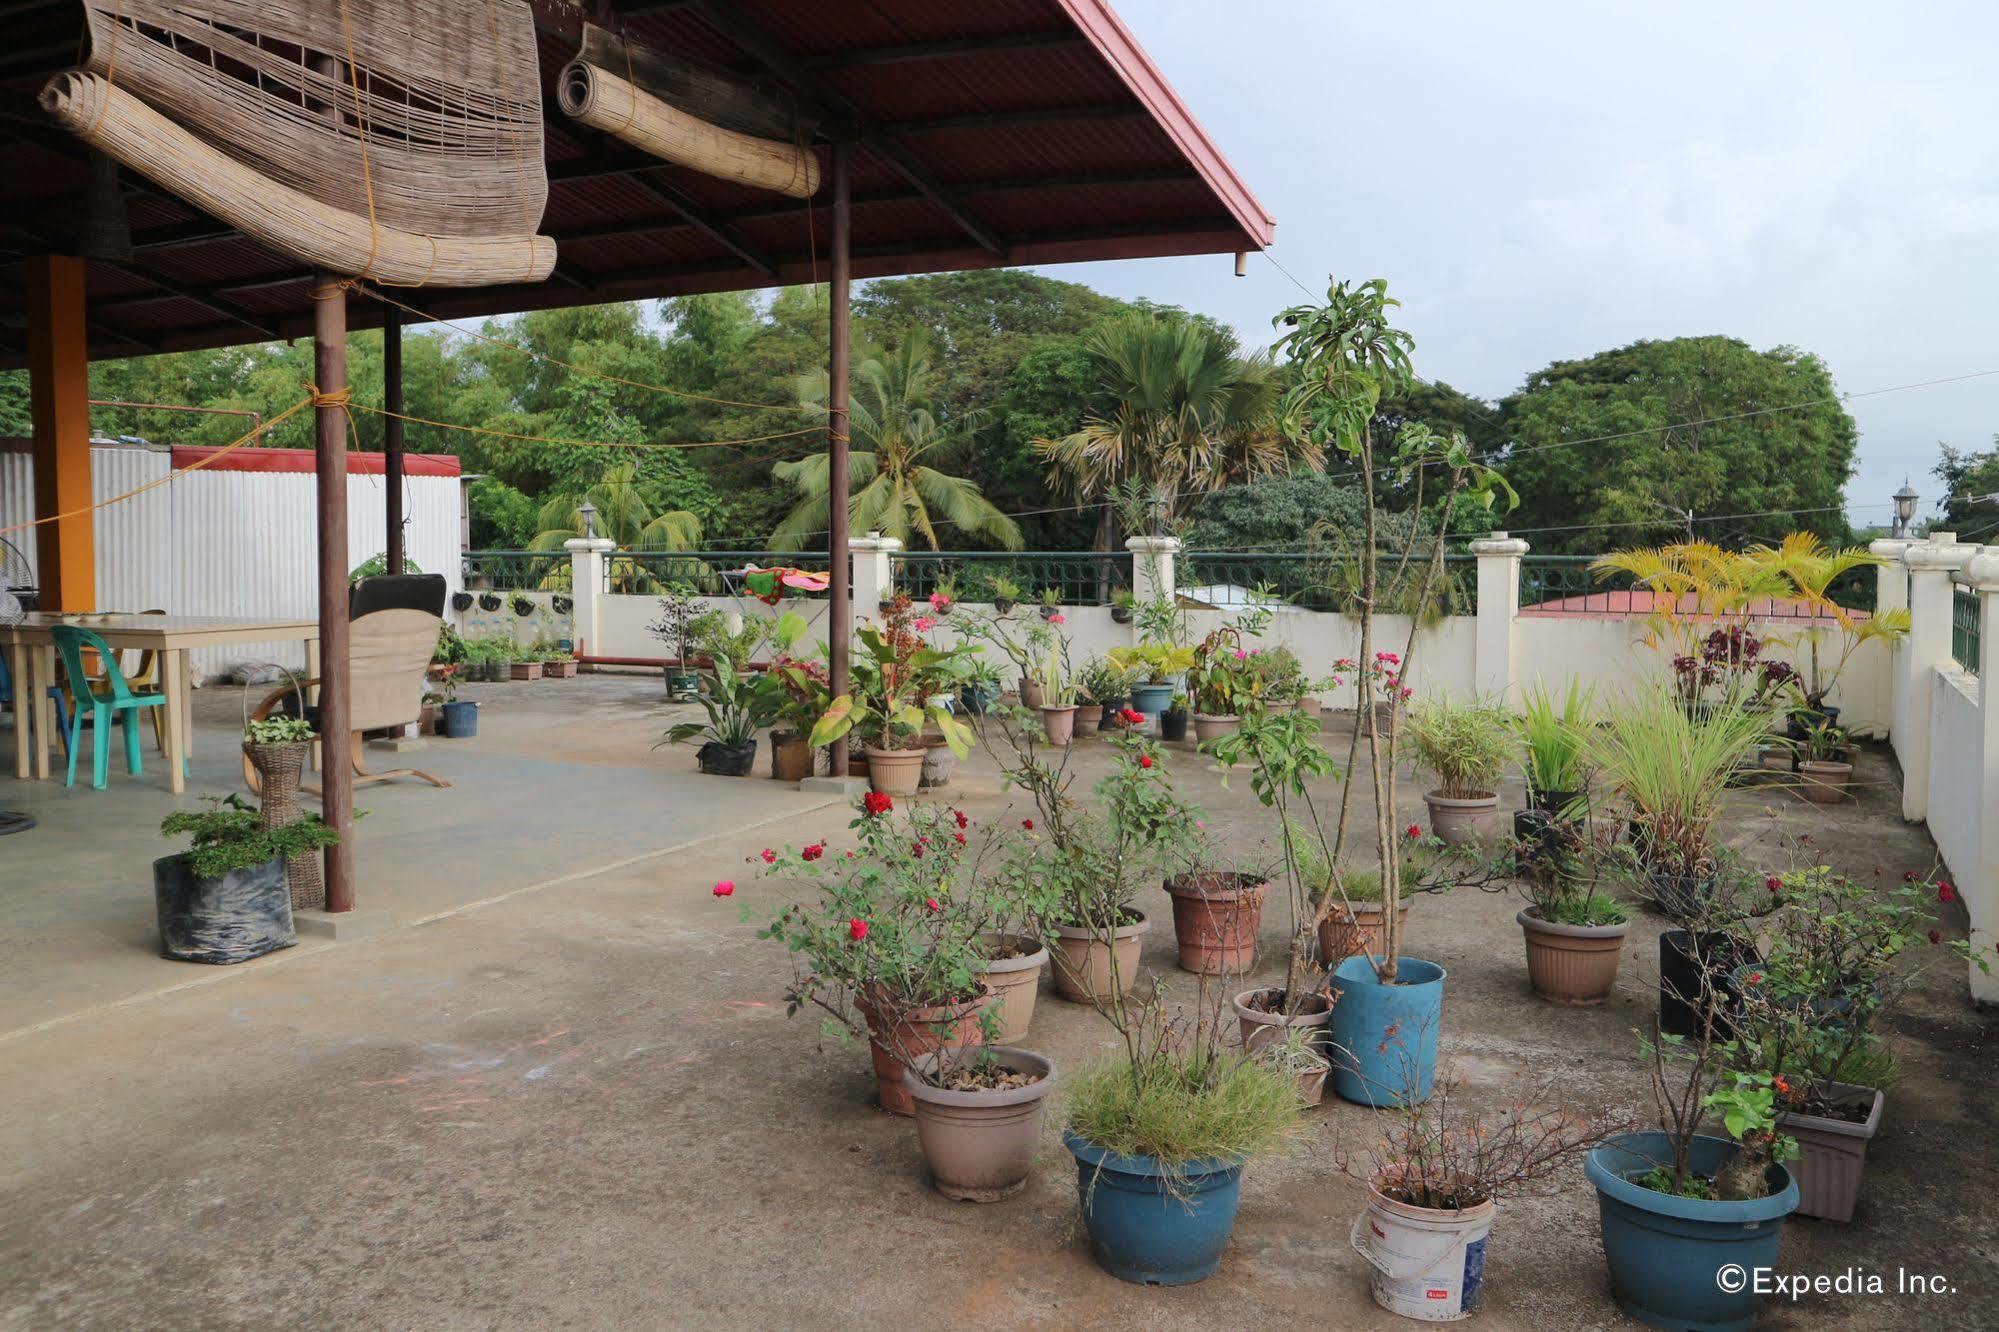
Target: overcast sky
1549	180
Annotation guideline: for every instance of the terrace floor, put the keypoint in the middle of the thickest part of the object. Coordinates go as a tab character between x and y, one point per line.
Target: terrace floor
566	1092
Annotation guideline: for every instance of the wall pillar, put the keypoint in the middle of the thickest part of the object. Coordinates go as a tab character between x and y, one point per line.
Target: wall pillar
1153	572
1498	610
59	404
589	570
1925	651
1891	593
1980	887
874	572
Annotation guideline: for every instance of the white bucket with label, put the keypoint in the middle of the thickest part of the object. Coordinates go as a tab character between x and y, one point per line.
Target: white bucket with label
1428	1264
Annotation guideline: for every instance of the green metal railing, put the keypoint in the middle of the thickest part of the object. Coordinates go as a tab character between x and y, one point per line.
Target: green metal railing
515	570
1327	581
1964	645
1077	578
641	572
1566	585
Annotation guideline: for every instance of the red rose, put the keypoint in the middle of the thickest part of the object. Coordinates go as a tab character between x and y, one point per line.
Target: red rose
1946	893
770	856
959	815
917	850
725	887
1908	876
1774	884
1027	824
877	803
813	852
1131	716
959	838
1412	832
1755	978
1145	760
857	929
933	904
1936	936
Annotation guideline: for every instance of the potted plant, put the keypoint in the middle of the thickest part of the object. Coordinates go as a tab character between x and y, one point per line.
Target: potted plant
1574	931
803	692
1681	1210
1825	765
1161	1136
1006	593
1300	1056
1108	686
1225	682
1216	916
1173	721
1434	1181
978	1117
1123	606
1056	691
225	898
737	706
1157	670
1838	954
1810	567
943	597
677	612
884	944
523	663
1550	737
1051	605
457	718
892	700
981	686
1466	746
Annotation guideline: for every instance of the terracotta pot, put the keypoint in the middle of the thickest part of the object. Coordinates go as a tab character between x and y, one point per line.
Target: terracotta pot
1832	1154
1014	982
1823	782
1310	705
917	1032
1214	726
980	1145
1462	820
1260	1028
896	772
1030	693
1312	1086
525	670
1215	918
1089	719
790	757
559	670
1083	957
1059	722
1343	934
1572	964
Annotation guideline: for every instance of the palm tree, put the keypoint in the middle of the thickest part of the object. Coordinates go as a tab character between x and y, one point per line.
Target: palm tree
1188	415
623	515
894	487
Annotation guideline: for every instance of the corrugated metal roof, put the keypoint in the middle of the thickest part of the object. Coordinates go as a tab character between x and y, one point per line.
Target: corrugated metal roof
1053	133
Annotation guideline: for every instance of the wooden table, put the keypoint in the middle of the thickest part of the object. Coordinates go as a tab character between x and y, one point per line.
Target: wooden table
31	656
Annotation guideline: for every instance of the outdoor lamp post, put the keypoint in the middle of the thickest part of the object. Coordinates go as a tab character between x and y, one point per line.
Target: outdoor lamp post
589	513
1905	509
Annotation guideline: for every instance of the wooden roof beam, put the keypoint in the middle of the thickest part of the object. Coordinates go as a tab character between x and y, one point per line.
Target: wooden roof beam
952	49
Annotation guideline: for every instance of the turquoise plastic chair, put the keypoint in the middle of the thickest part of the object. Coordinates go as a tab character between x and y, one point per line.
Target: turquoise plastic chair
107	696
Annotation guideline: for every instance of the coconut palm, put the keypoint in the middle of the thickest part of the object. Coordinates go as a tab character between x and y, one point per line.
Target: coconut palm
895	487
1187	415
624	516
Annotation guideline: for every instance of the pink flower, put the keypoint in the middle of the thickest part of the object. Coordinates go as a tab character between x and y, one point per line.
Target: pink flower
857	929
769	856
725	887
923	624
938	601
1058	618
1240	655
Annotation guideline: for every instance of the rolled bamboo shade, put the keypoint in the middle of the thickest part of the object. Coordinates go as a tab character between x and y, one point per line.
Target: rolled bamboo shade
605	101
120	125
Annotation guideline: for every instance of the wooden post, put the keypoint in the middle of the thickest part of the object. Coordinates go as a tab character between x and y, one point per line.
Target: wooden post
840	611
329	355
59	404
392	433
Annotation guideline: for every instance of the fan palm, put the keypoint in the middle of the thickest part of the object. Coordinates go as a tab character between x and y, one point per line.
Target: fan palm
895	486
1188	415
624	516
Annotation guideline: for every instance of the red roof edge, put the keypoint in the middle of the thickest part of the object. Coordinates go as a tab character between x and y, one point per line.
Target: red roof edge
1115	43
302	460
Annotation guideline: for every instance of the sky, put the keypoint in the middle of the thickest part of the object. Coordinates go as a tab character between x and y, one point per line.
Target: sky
1540	181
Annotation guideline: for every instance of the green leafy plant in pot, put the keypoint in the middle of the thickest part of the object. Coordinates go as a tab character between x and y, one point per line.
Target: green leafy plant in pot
737	707
678	610
225	899
895	695
1574	928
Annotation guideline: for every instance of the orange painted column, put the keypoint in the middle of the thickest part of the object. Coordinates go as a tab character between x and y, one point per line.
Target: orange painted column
59	389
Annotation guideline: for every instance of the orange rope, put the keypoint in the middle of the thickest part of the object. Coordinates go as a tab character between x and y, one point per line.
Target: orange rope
546	359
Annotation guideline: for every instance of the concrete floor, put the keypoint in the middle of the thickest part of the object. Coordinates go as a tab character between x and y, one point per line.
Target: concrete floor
583	1106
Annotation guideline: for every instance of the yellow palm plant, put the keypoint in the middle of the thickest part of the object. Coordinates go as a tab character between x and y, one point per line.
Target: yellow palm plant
1697	588
1809	567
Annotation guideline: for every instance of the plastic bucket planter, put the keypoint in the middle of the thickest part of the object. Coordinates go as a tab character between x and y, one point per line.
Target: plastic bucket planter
1667	1255
1152	1226
1151	699
1429	1264
461	720
1385	1036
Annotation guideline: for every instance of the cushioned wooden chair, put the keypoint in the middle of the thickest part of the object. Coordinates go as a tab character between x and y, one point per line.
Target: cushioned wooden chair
391	637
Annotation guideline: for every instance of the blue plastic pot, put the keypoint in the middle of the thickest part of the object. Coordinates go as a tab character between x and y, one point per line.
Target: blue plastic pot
1149	1226
1385	1036
977	698
461	720
1151	699
1671	1258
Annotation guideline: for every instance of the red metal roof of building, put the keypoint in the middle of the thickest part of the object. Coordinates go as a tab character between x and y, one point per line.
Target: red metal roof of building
1009	132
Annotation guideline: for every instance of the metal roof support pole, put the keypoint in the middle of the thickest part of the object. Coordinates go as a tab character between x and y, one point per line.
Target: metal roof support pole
392	434
329	357
840	611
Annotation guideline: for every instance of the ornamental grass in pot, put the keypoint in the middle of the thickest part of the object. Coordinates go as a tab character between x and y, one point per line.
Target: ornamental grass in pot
1825	764
1435	1177
1550	736
1466	746
887	942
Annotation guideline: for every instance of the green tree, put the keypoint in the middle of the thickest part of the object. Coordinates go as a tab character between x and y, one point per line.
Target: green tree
1296	512
1669	428
1968	476
1179	411
623	514
896	442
